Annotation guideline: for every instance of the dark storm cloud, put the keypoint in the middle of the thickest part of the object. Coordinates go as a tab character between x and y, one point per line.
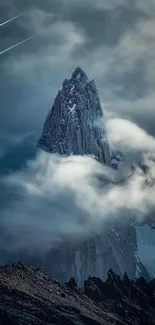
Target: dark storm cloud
105	26
111	40
114	42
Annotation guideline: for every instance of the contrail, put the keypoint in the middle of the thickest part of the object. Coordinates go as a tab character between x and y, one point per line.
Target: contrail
7	21
19	43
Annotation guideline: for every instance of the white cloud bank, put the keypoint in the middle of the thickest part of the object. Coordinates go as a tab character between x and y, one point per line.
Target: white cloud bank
127	134
62	197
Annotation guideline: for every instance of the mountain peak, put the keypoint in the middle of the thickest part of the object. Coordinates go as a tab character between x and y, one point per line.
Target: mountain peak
79	74
74	126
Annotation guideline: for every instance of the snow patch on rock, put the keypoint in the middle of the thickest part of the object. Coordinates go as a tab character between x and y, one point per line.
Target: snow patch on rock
72	108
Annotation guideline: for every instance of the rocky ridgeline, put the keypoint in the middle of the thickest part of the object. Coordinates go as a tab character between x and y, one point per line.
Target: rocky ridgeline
28	296
75	124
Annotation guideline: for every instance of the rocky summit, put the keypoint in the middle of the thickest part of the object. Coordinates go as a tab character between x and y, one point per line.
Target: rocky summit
75	124
28	296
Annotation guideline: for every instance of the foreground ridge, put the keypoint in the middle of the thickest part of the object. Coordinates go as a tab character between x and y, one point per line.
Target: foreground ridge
28	296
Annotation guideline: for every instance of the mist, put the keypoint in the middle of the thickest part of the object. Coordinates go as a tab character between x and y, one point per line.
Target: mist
46	199
55	198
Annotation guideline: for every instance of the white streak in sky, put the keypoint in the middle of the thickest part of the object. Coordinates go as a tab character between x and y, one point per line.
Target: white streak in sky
19	43
9	20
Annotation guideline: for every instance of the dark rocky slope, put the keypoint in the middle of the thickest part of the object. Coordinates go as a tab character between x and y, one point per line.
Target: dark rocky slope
27	296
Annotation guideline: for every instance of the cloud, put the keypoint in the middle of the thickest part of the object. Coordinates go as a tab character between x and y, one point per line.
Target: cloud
107	4
35	20
46	204
117	50
66	37
63	198
148	7
142	5
113	42
135	45
127	134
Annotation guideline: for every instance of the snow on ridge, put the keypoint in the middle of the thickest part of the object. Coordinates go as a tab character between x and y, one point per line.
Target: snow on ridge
72	88
78	76
72	108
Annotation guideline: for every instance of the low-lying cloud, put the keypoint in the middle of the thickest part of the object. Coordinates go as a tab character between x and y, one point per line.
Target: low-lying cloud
57	198
54	197
128	135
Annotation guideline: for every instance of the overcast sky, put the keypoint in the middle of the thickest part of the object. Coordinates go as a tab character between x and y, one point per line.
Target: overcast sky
112	40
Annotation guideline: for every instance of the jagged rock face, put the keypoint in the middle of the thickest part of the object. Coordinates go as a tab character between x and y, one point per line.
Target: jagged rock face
73	126
114	248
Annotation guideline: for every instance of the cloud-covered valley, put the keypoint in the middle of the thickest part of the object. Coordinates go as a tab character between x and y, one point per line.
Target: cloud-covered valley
56	198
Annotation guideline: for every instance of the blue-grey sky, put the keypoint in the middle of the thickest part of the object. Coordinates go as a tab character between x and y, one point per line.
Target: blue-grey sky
113	41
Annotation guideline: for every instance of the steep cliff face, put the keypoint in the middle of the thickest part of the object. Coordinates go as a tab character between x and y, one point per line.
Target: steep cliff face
114	248
74	125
